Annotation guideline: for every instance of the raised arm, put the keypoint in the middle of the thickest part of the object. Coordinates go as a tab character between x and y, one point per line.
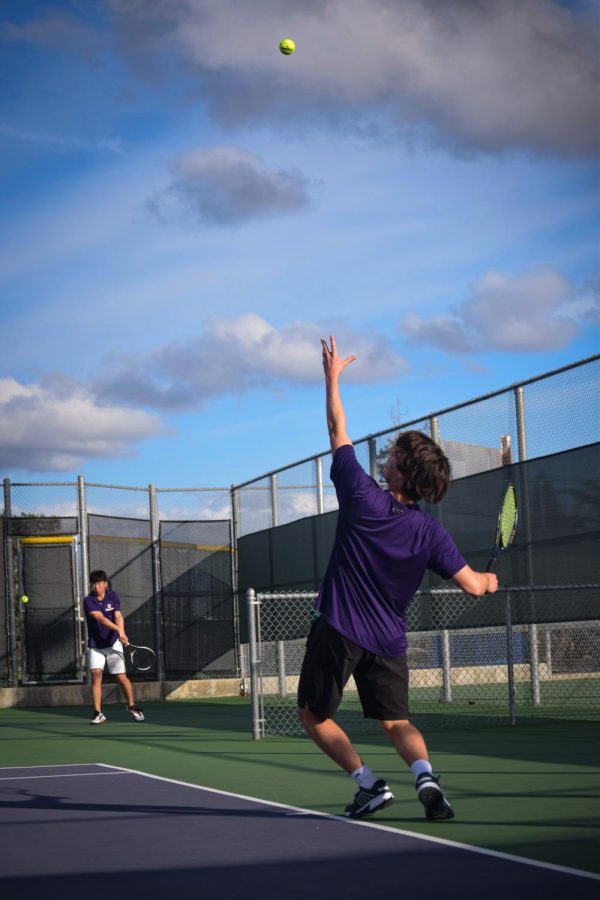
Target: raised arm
333	366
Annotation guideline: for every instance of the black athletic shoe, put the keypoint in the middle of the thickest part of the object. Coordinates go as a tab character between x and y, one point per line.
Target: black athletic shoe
369	800
433	798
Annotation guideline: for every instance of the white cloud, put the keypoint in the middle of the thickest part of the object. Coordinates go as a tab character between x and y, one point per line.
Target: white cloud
488	76
241	354
224	186
62	141
57	424
536	311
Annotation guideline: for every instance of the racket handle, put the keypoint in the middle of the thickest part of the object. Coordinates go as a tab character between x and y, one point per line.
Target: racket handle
491	566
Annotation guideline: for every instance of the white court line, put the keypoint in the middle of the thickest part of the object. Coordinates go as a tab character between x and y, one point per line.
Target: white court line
420	837
56	766
65	775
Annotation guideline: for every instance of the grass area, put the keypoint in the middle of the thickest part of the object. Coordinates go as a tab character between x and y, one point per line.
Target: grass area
531	790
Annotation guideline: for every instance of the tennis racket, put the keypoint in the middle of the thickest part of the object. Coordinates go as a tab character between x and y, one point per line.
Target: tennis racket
142	659
507	525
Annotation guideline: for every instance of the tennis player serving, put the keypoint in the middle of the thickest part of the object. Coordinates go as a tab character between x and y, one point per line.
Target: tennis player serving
106	637
383	545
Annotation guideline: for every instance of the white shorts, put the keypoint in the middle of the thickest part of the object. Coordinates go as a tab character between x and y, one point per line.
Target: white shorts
98	657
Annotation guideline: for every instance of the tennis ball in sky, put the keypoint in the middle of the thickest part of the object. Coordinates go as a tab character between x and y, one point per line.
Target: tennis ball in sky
287	46
24	599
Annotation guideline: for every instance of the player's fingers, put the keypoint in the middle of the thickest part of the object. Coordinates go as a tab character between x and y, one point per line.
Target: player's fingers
348	360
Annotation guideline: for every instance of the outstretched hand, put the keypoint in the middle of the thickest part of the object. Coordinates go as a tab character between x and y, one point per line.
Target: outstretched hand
333	364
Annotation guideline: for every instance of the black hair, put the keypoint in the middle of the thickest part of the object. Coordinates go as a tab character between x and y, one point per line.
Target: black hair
98	575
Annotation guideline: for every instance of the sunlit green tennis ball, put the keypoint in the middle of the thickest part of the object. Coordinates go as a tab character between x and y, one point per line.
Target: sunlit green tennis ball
24	599
287	46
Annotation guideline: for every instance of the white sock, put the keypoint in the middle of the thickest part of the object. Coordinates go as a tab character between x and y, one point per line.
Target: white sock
363	777
420	766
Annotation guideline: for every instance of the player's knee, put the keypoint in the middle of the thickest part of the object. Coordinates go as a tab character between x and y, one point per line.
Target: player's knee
308	717
390	725
96	674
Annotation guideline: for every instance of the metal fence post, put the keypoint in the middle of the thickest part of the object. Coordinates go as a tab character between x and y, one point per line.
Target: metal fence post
233	532
11	620
510	661
521	432
373	466
548	638
83	535
82	523
446	666
156	581
534	657
281	668
274	505
319	479
434	429
257	720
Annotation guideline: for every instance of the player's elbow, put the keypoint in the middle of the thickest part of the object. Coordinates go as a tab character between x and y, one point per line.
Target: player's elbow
471	582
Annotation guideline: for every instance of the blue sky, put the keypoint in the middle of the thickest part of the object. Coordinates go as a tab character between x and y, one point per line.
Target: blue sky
185	212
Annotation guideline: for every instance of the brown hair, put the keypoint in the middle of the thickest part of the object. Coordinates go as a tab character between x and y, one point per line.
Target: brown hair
424	467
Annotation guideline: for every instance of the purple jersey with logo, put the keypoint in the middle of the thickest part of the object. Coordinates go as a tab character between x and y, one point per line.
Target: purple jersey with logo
381	551
99	636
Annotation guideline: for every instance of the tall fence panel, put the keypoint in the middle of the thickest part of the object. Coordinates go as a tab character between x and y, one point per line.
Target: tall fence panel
122	548
199	615
50	619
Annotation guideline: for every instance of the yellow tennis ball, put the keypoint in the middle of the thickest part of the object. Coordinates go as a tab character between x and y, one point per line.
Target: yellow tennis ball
24	599
287	46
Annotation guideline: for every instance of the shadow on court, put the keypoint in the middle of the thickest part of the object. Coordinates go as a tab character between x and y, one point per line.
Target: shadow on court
91	830
407	873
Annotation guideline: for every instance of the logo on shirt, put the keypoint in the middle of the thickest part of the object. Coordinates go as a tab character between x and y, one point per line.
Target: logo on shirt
109	608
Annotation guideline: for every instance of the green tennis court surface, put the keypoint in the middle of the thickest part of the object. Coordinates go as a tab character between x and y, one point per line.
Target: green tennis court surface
532	790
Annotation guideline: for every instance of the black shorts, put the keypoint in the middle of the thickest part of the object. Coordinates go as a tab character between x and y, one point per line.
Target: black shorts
331	659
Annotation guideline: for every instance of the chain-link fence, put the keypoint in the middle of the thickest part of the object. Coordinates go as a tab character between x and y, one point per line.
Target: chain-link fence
549	414
281	528
518	653
168	554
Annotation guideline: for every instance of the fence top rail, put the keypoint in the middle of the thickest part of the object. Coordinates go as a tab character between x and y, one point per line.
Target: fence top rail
430	415
191	490
41	483
516	589
116	487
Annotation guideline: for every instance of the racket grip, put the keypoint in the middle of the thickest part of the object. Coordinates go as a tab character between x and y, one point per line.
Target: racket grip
491	566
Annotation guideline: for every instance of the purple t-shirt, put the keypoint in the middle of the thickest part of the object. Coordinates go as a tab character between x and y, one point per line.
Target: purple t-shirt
381	551
99	636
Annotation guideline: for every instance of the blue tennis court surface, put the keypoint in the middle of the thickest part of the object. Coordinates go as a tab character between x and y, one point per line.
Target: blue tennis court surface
89	830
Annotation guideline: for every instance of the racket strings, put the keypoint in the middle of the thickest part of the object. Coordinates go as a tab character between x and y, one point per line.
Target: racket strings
508	517
142	658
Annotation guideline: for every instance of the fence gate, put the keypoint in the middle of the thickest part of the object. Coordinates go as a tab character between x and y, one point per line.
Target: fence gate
49	624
